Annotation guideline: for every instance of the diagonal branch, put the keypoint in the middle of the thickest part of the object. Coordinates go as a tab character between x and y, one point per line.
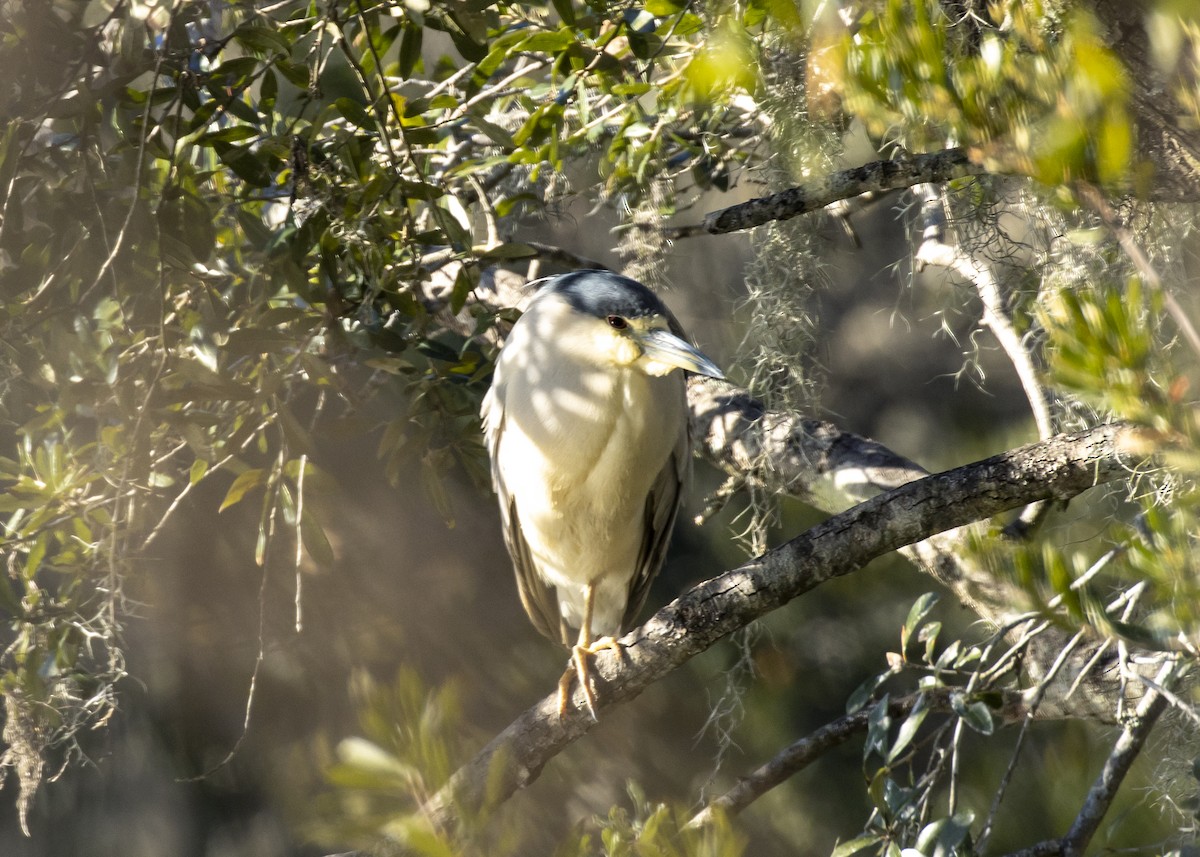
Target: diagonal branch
1058	469
1100	797
874	177
800	754
818	463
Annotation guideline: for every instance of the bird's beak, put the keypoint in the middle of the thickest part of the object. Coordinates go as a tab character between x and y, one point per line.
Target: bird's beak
667	349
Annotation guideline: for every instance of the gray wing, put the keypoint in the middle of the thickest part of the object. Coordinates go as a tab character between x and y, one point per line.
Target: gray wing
662	506
540	601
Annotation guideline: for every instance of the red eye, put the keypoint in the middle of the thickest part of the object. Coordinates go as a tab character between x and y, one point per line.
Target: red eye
616	322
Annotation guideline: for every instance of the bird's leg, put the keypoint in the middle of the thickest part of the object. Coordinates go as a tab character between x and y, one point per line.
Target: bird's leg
584	647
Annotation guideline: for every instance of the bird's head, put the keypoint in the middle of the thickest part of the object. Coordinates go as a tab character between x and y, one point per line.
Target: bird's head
624	324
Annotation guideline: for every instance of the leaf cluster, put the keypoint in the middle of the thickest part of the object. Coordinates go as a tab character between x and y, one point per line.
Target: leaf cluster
1037	93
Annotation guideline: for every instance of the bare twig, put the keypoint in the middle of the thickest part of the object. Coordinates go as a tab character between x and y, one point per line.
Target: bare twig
563	256
1105	788
936	249
797	756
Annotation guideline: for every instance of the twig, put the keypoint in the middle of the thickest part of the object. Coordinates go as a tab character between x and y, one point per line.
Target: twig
1031	706
1104	789
1127	748
1096	201
935	249
1187	710
563	256
797	756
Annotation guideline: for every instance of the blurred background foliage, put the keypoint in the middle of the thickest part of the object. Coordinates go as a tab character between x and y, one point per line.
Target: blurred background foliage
246	250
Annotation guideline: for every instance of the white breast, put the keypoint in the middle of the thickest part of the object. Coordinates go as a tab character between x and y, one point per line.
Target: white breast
580	449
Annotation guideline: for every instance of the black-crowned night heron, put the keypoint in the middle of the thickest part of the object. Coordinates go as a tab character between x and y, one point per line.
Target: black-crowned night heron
587	427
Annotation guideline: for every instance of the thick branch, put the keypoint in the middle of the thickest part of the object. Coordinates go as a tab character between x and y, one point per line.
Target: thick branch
1058	469
831	469
874	177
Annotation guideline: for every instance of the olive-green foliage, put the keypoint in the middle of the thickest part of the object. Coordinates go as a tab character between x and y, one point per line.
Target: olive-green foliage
1032	84
216	223
412	741
221	224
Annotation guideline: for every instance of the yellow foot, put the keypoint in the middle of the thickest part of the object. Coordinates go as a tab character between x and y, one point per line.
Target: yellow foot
578	667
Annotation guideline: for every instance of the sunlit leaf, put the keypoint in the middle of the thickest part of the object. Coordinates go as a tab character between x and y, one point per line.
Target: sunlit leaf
243	484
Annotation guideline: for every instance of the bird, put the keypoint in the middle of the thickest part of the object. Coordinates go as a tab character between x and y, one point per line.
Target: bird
586	425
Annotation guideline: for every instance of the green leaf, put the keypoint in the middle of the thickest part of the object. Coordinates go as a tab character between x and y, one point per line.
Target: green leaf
369	757
860	843
493	131
639	21
37	553
410	48
565	10
355	113
315	541
232	134
255	340
248	164
975	714
878	724
434	486
510	250
420	190
466	279
549	42
942	837
234	72
297	74
863	693
631	90
471	49
916	614
268	91
262	39
246	482
908	729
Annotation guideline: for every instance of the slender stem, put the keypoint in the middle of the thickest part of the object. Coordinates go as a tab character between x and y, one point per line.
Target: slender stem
1119	761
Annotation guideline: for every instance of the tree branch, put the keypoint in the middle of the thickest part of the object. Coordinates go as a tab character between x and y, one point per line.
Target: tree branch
831	469
935	250
797	756
874	177
1061	468
1104	789
1100	798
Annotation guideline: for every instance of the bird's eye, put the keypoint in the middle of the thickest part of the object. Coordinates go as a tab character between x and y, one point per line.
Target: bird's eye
616	322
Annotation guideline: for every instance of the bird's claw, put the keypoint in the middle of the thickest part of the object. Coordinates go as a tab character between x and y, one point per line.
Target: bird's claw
578	667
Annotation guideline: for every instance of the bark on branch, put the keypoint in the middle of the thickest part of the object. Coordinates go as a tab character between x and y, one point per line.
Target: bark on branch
832	469
934	167
1058	469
